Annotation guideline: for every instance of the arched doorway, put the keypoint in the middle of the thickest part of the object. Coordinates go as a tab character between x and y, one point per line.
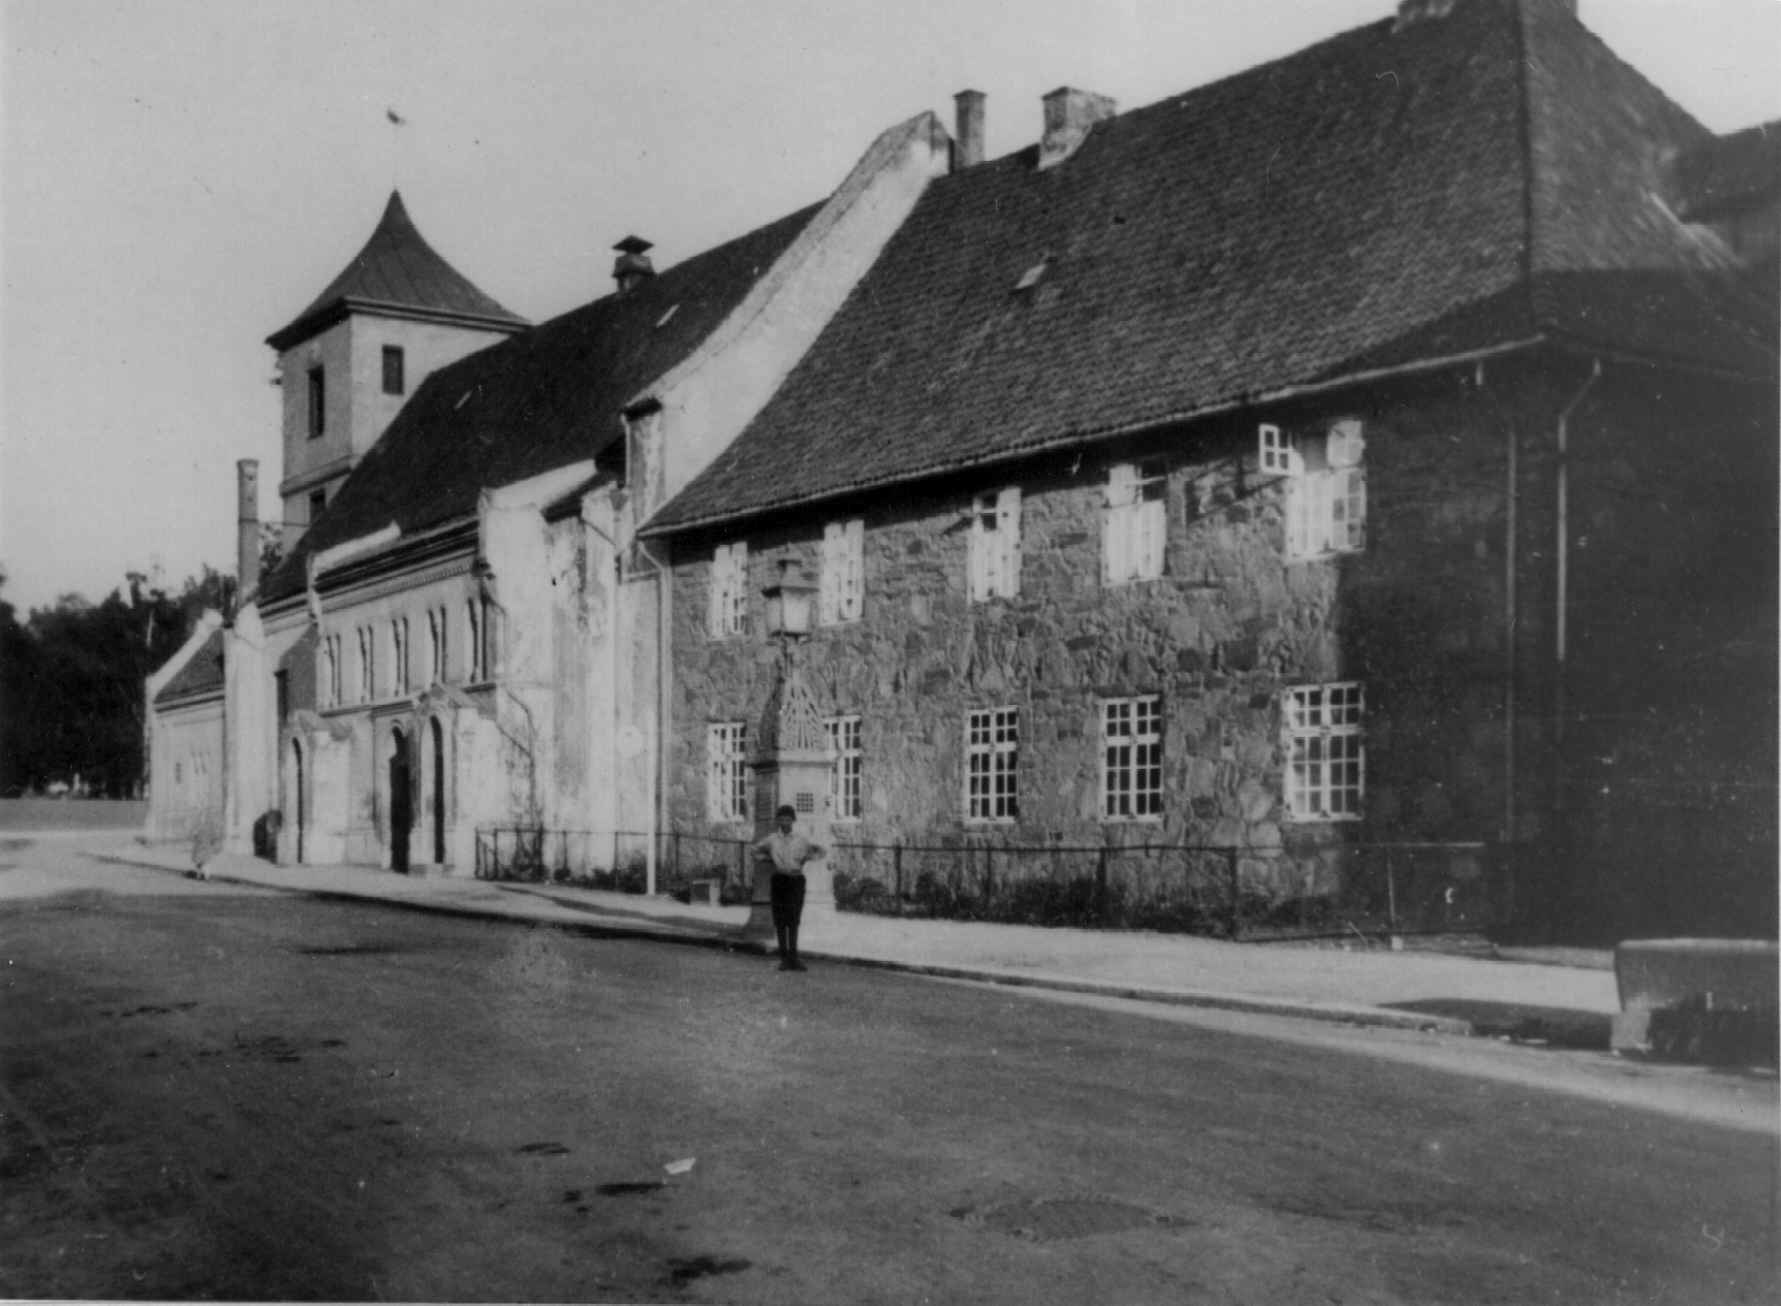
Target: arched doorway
438	793
401	800
298	811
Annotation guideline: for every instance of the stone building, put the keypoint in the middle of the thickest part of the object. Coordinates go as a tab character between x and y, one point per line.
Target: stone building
1373	448
1376	447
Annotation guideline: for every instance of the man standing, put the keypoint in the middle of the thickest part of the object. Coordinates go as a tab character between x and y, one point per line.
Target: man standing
788	852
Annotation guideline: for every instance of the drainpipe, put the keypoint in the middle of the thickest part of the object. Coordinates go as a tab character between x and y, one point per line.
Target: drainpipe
657	742
1561	639
1511	620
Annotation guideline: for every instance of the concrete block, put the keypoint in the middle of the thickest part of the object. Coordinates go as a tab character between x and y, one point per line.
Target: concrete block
1697	999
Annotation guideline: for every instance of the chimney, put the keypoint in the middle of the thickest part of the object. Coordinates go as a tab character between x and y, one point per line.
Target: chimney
967	144
247	529
632	264
1069	113
1417	11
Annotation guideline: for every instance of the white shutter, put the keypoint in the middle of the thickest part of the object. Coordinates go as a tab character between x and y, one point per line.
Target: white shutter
828	590
1277	451
853	551
1008	540
1347	443
1116	525
714	611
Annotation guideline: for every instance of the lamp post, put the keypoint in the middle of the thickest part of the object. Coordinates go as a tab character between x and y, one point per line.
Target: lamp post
791	761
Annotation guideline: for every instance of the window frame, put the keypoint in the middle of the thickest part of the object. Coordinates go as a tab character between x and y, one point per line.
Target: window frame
726	774
1132	759
992	765
317	391
841	584
1135	521
994	548
1323	732
395	363
727	614
847	769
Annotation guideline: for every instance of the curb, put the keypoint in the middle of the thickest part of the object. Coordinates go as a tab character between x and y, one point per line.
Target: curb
1376	1017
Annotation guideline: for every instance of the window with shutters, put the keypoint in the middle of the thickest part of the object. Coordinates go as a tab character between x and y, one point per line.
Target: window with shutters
992	764
1326	751
729	590
726	785
841	586
1132	758
995	545
1135	524
1326	493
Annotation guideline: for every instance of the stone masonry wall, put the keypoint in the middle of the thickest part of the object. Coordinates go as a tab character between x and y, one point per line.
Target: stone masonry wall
1231	623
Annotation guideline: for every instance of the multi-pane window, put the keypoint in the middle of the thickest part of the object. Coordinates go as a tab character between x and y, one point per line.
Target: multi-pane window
399	655
1134	527
1326	751
1326	496
318	403
367	664
992	763
394	380
844	780
729	590
726	786
841	588
1131	758
995	545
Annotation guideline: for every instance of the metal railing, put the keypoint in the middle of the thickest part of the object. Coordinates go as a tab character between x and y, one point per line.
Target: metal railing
1335	890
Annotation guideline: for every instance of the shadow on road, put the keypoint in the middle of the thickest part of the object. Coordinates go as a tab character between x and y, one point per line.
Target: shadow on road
1556	1027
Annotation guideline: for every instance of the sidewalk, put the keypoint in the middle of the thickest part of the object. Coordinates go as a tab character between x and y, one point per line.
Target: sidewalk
1566	1004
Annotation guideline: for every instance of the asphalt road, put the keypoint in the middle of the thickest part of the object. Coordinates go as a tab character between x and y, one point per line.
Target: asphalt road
216	1093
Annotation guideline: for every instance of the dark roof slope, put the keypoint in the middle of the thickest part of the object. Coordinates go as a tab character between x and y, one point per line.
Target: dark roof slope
536	402
399	272
1362	204
201	676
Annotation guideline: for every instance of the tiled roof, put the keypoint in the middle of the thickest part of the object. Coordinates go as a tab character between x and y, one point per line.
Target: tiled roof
1730	172
540	400
397	270
1388	196
201	676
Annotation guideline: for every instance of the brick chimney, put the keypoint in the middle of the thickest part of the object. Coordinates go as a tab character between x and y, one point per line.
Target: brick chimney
967	145
632	265
247	529
1069	114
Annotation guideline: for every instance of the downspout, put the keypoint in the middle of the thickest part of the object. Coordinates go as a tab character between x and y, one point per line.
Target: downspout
659	732
1511	620
612	672
1561	639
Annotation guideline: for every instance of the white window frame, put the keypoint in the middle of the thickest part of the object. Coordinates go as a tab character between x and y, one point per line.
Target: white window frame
992	765
728	614
1326	493
842	584
726	777
1323	734
1132	758
1135	526
995	545
843	733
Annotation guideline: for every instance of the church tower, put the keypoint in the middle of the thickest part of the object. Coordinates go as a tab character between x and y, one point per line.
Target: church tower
349	361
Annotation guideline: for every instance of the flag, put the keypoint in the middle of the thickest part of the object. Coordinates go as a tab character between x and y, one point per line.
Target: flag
395	118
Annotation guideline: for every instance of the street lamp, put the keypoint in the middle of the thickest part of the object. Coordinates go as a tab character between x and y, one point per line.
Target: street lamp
789	604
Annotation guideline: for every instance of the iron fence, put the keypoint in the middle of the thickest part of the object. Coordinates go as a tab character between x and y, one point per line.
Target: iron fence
1367	890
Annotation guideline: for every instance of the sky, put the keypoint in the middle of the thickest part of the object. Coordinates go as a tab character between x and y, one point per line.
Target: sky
180	178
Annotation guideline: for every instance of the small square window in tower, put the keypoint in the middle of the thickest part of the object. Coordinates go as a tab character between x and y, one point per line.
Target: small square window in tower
394	382
318	499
